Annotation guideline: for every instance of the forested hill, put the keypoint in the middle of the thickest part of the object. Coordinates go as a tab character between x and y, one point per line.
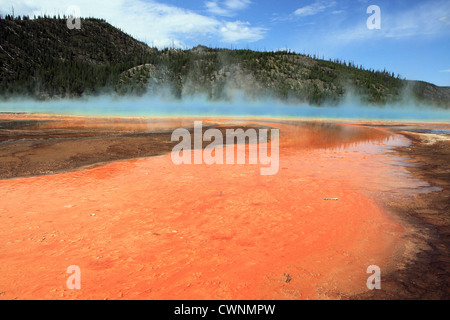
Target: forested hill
44	59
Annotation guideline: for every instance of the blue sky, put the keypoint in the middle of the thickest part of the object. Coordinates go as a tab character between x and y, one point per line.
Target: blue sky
414	39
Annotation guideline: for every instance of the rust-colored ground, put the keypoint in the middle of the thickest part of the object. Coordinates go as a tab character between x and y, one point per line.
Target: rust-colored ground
424	272
148	229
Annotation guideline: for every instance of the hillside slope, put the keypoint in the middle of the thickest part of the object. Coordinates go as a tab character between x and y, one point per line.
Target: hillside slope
42	58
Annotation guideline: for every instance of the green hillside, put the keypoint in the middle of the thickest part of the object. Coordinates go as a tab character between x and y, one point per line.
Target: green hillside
43	59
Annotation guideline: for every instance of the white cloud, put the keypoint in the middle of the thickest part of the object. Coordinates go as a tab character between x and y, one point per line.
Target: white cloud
214	8
421	20
315	8
445	19
237	4
238	31
226	8
448	70
151	21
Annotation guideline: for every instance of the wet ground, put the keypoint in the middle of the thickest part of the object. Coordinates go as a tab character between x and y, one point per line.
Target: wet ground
32	147
147	229
425	272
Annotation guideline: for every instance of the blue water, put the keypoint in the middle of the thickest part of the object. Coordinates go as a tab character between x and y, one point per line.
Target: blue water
435	131
154	107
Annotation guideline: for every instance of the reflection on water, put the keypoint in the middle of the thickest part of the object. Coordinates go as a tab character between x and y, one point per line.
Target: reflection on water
435	131
361	155
326	135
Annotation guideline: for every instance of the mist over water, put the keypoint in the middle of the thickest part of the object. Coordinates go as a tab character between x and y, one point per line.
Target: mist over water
151	106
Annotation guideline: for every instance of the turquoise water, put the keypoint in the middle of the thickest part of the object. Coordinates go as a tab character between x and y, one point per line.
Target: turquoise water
153	107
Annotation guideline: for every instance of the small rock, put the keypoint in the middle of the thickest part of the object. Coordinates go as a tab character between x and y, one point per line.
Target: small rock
288	277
